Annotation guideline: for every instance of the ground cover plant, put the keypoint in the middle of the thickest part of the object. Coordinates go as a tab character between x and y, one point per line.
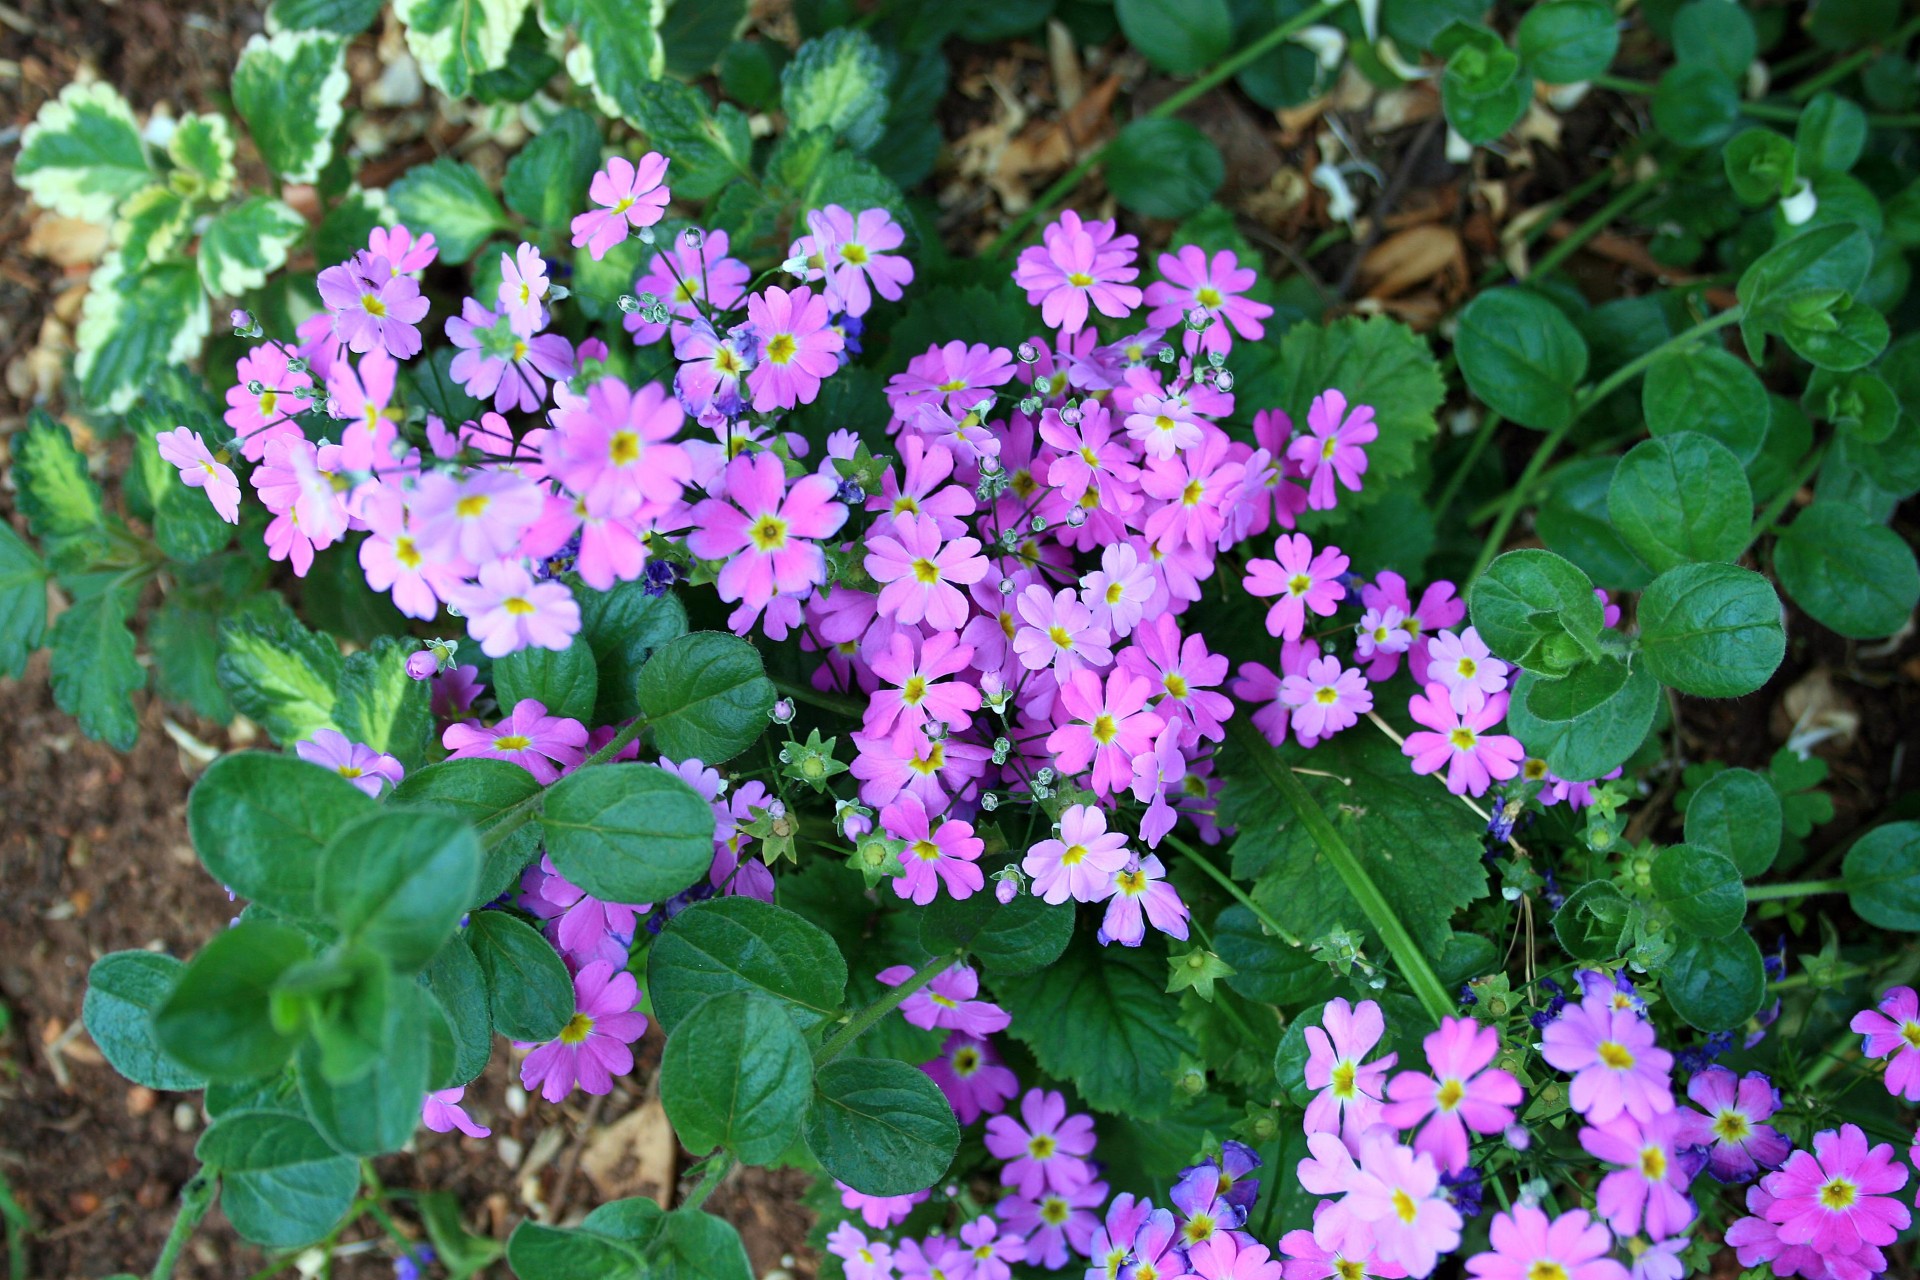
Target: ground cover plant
1046	734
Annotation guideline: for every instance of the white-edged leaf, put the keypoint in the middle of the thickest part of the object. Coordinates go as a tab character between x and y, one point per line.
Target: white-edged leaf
245	244
201	149
82	154
456	41
133	325
289	89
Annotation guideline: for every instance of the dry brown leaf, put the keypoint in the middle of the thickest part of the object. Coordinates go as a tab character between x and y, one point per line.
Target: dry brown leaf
1411	257
66	242
633	1156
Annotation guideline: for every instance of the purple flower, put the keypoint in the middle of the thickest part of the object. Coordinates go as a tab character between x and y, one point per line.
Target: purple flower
372	306
541	744
1615	1064
442	1113
1045	1148
496	361
594	1046
359	764
970	1073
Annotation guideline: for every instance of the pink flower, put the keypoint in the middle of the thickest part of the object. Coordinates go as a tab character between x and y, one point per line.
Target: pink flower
916	691
1756	1240
853	254
956	375
477	517
1087	451
1393	1199
1840	1196
1045	1148
1077	264
1615	1064
581	927
1733	1131
1164	425
1326	698
1527	1245
936	854
523	290
865	1259
541	744
1438	608
923	489
1105	728
630	197
1349	1089
1893	1032
1057	1225
1334	448
879	1212
1474	758
1467	668
358	763
594	1045
798	348
498	361
713	369
1303	580
373	306
972	1076
1462	1093
1141	890
1194	485
257	416
614	449
442	1113
1058	631
1118	592
199	469
1193	282
920	574
1650	1186
1307	1259
507	610
948	1001
1081	862
987	1253
686	279
907	761
764	531
1223	1256
404	252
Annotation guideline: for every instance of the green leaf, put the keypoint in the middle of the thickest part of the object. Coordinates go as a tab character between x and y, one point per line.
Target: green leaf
1265	967
738	944
838	82
261	823
710	146
280	675
123	990
1483	90
1163	168
94	671
243	245
1529	596
527	982
377	1111
1760	165
23	596
1100	1018
565	681
1587	724
706	697
481	791
1568	41
1716	984
57	495
183	636
289	89
342	17
457	41
1824	263
282	1186
1701	890
450	199
880	1126
1707	390
1882	871
459	1250
1419	845
1737	812
217	1019
379	704
696	32
153	226
1831	135
1017	937
695	1246
1695	105
1721	39
1180	37
528	68
536	1251
1592	924
399	879
1851	575
82	155
1572	520
628	833
1522	357
458	989
619	48
736	1074
1680	499
1712	630
546	182
134	323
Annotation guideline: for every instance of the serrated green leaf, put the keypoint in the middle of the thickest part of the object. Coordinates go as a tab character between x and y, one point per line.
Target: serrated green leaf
839	83
289	89
23	601
57	495
133	325
94	671
376	702
619	48
457	41
342	17
183	636
201	149
153	224
546	181
280	675
82	154
709	146
378	1110
246	243
450	199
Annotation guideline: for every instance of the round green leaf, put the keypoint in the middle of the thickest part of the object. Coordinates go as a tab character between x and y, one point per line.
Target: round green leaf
217	1021
1830	136
1696	105
1716	984
1679	499
1712	630
1572	520
1592	923
1018	937
1710	35
458	991
1882	871
736	1074
123	990
1163	168
1737	813
1528	596
1522	357
880	1126
1708	390
565	681
1851	575
1290	1059
481	791
1568	41
1587	724
628	833
260	823
1181	37
378	1110
738	944
399	880
528	986
281	1185
1700	889
537	1251
706	697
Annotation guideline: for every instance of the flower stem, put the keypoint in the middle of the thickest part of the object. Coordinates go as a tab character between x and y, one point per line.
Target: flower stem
1784	498
195	1199
837	1043
716	1169
1796	889
1238	894
514	817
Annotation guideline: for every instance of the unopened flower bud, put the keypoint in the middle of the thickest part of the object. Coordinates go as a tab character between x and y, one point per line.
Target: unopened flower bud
783	711
694	236
256	387
422	664
1076	517
1027	353
1224	380
629	303
1005	892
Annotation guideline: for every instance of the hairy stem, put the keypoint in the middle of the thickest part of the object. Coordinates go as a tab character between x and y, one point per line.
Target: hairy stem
837	1043
1796	889
195	1199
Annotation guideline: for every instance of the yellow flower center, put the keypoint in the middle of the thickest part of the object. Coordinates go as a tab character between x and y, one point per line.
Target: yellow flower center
1074	856
687	290
769	533
512	742
1910	1032
1191	495
1105	730
373	306
1544	1270
268	399
1131	883
1348	1270
519	606
926	571
519	349
1450	1094
1653	1164
1040	1146
854	253
1058	634
1208	295
934	761
406	553
578	1028
1462	739
1403	1206
1731	1126
1326	695
1327	449
1615	1055
1838	1194
925	850
624	448
1344	1076
780	348
349	770
1466	668
1299	584
1176	686
1079	279
954	384
1054	1211
914	690
472	507
906	505
966	1062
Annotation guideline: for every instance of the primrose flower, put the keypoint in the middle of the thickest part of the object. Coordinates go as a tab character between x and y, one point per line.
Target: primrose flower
373	306
477	517
581	927
1732	1129
199	469
1464	1092
1893	1032
1045	1148
798	347
972	1076
496	360
956	375
1349	1089
614	449
1078	264
1106	729
1840	1196
1164	425
1334	449
1190	281
1302	579
258	416
1527	1245
630	198
764	531
507	610
1194	486
1057	1225
854	257
865	1259
1474	758
1201	1198
541	744
358	763
948	1001
687	278
523	290
594	1046
442	1113
1650	1186
1080	863
405	252
1615	1064
1307	1259
1326	698
1141	895
920	573
1223	1256
1467	668
987	1252
1058	631
943	852
1158	1251
1393	1200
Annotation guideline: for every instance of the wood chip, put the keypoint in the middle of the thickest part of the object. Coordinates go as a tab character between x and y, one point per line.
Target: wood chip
636	1155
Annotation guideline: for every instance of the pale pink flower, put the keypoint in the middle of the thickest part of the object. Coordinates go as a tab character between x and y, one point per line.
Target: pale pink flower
1080	863
1466	667
920	573
1078	264
1326	698
1334	449
369	770
1464	1092
1045	1148
1474	758
1302	579
507	610
1616	1065
1893	1032
1349	1088
1105	728
1527	1245
200	469
595	1045
630	198
766	532
541	744
798	347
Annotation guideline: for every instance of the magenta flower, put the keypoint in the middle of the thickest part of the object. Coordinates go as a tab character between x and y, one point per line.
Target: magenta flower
1075	265
1058	631
923	488
1325	699
688	278
1118	592
1840	1196
497	361
1142	896
1045	1148
373	306
907	761
1466	667
864	1259
630	198
581	927
1190	281
1732	1129
1893	1032
507	610
593	1047
1308	1259
199	469
1194	487
1058	1225
477	517
541	744
1087	449
1527	1245
713	369
879	1212
917	690
1615	1064
1224	1256
939	853
1105	728
1301	579
358	763
920	574
257	416
1464	1092
764	531
1164	425
1650	1186
1080	863
1756	1240
404	251
1438	608
1393	1200
1334	449
957	376
798	347
948	1002
1158	1250
1474	758
1349	1089
853	251
523	290
614	449
442	1113
972	1076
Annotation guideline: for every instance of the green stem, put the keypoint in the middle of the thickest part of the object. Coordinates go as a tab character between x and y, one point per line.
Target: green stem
1407	955
19	1226
837	1043
195	1199
1763	522
1573	196
516	816
1238	894
1067	181
1757	110
1482	437
717	1168
1835	1057
1796	889
824	701
1852	62
1622	201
